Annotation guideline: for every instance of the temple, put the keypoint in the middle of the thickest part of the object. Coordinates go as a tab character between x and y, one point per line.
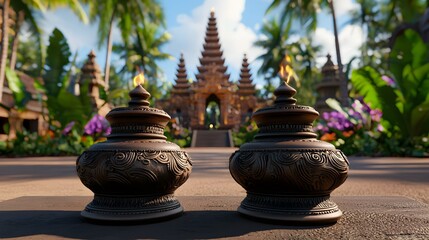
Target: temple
212	101
91	77
33	118
329	87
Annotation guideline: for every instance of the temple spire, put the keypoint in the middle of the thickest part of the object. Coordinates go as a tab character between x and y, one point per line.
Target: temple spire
91	75
182	83
329	86
245	86
212	60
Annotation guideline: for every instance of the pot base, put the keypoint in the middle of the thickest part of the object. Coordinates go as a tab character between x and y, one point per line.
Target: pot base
132	208
293	209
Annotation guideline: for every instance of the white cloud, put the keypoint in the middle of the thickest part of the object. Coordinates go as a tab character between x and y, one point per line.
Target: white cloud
351	38
343	7
235	38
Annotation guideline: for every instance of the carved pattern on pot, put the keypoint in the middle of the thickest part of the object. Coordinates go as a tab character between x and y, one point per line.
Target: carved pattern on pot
136	171
145	205
136	128
286	128
129	170
297	171
290	205
139	109
288	174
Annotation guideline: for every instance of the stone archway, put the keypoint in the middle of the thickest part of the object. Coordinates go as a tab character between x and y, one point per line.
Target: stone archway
213	114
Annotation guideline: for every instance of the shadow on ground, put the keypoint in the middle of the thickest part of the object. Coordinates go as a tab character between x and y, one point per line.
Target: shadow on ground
191	225
399	169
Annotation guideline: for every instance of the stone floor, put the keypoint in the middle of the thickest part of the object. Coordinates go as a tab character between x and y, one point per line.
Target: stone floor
384	198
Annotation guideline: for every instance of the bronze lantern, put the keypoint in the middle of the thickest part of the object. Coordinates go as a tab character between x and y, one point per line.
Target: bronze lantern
288	174
135	172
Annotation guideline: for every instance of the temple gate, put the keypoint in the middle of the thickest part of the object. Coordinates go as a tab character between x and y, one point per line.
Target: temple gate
212	101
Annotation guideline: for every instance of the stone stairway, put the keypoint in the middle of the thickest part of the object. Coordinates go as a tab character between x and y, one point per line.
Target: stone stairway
212	138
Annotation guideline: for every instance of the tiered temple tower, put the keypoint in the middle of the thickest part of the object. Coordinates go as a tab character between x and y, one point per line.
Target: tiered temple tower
182	84
91	75
192	104
246	91
213	83
180	95
329	87
212	54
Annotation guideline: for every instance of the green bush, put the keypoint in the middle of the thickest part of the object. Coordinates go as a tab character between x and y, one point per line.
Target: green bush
246	133
177	134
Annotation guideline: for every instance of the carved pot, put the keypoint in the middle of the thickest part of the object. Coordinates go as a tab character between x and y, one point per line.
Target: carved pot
135	172
288	174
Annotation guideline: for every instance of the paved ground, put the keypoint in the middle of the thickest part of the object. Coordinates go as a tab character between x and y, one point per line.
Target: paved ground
384	198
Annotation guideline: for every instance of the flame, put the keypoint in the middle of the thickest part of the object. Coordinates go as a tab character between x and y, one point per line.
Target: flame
286	71
212	10
139	79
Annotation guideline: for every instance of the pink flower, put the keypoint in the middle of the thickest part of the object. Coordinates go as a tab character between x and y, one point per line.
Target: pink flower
375	115
388	80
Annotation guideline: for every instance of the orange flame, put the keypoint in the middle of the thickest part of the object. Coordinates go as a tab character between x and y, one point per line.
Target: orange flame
286	71
139	79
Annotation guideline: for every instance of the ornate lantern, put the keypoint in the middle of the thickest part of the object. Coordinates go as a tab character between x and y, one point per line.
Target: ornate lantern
287	172
135	172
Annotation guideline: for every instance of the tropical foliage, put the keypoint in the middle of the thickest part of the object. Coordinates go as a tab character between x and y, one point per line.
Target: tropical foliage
73	139
127	16
246	133
355	130
383	21
54	68
143	52
395	120
177	134
17	12
403	96
303	53
63	106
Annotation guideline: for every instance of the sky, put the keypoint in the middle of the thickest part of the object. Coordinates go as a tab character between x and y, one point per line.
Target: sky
239	23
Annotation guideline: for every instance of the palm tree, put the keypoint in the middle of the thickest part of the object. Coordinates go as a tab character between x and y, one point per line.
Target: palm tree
344	92
125	14
306	12
144	50
24	12
4	43
305	54
143	53
274	44
301	52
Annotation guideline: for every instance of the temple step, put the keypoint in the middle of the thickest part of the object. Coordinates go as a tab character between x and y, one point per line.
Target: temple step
212	138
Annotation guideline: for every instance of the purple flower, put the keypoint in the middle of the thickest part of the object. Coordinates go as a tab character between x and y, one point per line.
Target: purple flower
322	128
355	114
68	128
325	115
375	115
337	120
97	125
388	80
